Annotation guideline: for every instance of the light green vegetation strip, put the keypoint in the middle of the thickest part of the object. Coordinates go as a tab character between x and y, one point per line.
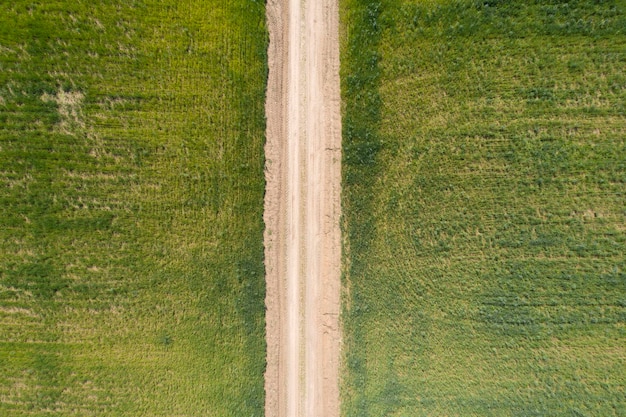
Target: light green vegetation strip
131	198
484	188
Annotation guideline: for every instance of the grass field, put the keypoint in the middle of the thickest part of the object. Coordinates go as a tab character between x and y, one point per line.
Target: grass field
131	198
484	216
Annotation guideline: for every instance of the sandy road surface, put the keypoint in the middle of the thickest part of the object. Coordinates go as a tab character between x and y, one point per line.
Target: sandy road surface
302	209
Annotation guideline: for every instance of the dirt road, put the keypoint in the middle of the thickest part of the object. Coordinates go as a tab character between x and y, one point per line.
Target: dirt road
302	209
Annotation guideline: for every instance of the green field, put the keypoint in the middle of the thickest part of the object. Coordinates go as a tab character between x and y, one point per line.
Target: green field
484	208
131	198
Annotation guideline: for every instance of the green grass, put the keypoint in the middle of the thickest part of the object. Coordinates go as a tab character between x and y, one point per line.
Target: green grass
484	188
131	198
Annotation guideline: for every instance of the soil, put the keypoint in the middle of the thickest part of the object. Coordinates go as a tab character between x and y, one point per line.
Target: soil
302	209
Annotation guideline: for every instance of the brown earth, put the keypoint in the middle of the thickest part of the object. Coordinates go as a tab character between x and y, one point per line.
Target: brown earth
302	209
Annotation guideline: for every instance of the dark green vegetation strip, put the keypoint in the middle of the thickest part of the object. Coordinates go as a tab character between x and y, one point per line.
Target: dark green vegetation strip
485	180
131	198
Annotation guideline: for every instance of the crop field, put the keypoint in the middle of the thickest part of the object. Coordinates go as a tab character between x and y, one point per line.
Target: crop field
484	208
131	198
